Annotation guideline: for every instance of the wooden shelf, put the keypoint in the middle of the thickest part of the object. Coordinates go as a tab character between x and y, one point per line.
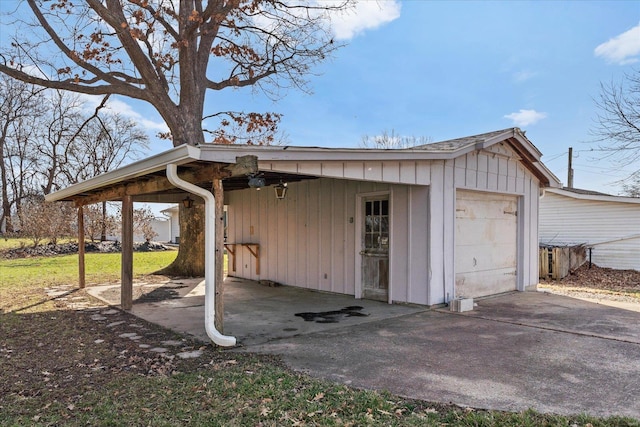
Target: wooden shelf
254	249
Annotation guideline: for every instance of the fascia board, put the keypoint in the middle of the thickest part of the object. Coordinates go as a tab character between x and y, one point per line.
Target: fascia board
554	181
178	155
228	154
532	149
593	197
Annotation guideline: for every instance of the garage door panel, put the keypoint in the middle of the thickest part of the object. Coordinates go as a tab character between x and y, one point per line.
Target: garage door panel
487	231
487	211
487	258
482	283
486	246
477	206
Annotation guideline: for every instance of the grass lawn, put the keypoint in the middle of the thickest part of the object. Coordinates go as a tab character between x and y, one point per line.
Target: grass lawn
100	267
62	366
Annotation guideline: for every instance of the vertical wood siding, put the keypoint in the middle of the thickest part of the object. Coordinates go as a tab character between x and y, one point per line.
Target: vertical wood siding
565	220
309	240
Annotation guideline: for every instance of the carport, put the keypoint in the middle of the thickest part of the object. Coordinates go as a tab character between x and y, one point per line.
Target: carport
389	225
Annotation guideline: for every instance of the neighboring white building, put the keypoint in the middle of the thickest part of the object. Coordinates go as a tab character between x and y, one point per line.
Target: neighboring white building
174	223
609	225
162	226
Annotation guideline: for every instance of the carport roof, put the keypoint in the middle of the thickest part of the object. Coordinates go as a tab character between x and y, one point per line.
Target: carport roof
149	173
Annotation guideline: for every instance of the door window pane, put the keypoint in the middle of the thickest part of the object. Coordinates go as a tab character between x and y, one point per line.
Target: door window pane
376	226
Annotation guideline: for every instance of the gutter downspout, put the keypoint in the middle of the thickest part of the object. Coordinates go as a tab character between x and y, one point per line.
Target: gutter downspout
209	258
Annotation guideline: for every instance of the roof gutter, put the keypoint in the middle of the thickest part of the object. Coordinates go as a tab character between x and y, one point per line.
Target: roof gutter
209	255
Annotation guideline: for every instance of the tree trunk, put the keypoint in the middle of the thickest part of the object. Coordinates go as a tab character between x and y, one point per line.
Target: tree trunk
6	203
190	259
103	234
218	193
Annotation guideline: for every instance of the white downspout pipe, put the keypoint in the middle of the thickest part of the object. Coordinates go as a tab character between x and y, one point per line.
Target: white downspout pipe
209	255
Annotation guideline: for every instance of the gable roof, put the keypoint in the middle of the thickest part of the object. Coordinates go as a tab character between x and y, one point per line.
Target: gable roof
192	157
482	140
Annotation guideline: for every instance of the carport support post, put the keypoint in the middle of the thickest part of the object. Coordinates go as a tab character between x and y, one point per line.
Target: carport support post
81	270
126	286
218	194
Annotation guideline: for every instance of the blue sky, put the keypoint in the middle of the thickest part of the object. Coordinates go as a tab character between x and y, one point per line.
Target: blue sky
447	69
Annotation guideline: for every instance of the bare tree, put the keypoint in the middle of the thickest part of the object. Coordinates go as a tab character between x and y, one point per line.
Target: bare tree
42	220
391	141
103	143
19	104
98	222
55	142
107	142
170	53
48	141
617	126
631	188
142	223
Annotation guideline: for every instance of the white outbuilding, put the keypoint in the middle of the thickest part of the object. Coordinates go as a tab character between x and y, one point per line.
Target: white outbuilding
424	225
608	226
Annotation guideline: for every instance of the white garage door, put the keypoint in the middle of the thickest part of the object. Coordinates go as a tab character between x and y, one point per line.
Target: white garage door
486	249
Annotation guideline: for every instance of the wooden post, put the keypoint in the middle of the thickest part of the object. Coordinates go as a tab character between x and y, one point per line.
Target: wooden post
81	270
126	287
218	194
570	169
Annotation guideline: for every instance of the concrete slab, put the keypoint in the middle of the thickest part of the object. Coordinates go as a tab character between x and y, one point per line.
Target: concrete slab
254	313
513	352
563	314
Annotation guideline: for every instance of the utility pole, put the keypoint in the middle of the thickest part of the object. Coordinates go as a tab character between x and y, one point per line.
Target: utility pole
570	169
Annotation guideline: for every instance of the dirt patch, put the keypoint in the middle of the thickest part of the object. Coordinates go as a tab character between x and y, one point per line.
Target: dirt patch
598	282
74	342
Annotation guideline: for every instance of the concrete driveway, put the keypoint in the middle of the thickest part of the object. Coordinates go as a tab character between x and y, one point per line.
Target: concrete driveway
518	351
513	352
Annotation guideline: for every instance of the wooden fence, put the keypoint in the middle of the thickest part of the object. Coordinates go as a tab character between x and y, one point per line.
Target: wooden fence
557	262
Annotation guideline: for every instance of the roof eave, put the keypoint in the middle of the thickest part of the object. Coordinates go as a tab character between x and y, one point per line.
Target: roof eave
178	155
595	197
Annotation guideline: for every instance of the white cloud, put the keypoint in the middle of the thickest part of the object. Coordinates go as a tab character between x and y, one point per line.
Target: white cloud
622	49
125	109
364	15
115	105
526	117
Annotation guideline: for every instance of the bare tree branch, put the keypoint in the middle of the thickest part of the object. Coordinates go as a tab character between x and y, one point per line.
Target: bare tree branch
617	125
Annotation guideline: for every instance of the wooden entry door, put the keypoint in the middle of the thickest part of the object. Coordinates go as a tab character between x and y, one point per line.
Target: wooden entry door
375	249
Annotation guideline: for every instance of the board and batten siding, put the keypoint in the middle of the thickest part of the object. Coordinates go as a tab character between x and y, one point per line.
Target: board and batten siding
308	239
611	228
